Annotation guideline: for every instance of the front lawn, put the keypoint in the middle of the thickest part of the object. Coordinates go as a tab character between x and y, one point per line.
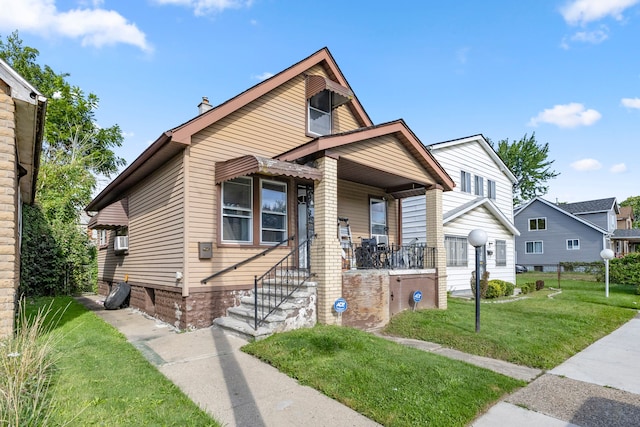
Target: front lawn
387	382
537	331
102	380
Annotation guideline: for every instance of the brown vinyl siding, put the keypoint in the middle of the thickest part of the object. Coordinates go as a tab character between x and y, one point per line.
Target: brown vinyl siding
155	231
385	153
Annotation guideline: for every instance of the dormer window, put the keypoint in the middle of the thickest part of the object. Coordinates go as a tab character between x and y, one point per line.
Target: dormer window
323	96
320	113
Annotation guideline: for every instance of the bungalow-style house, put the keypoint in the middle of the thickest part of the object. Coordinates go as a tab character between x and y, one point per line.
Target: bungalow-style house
482	198
249	195
625	238
22	111
567	232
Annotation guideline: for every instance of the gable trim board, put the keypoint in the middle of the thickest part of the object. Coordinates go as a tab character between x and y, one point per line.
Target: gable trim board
486	203
484	144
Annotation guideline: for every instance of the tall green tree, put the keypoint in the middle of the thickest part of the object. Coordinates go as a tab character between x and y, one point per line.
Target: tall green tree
634	202
75	150
528	161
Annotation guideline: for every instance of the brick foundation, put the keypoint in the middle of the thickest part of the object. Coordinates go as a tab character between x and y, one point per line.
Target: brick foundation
198	310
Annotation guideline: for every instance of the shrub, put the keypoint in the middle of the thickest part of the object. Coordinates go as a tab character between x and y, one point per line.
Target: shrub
484	283
539	285
495	289
625	270
508	289
527	287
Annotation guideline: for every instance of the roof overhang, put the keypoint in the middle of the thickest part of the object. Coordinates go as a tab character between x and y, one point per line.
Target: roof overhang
250	164
316	84
114	216
487	204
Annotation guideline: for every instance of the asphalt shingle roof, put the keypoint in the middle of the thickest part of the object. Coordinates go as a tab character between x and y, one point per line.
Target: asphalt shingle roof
599	205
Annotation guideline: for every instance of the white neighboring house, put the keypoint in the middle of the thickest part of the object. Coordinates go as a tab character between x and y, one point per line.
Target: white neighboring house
482	198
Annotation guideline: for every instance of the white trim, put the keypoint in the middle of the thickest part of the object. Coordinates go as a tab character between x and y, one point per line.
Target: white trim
250	210
285	215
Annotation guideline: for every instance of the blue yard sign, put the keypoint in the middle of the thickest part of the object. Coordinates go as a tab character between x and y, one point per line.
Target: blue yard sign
417	296
340	305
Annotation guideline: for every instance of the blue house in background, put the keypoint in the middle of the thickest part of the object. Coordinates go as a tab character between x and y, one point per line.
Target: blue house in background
568	232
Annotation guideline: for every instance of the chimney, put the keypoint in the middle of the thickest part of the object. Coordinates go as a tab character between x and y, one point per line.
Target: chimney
204	106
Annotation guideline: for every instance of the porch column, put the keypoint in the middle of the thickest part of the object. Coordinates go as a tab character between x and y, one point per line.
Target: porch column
435	239
326	253
9	256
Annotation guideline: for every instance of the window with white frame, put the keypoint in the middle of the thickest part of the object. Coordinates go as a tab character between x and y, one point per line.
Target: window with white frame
456	249
501	253
479	186
537	224
491	189
102	237
573	244
465	182
237	210
378	217
320	113
273	211
533	247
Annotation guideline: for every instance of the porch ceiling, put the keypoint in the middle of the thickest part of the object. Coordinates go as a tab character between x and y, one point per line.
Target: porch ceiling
395	185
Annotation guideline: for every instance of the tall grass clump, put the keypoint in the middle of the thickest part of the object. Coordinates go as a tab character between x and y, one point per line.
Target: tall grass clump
27	361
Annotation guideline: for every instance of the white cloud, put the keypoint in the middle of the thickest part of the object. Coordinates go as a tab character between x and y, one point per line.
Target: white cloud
631	102
586	165
263	76
204	7
618	168
567	116
93	26
581	12
593	37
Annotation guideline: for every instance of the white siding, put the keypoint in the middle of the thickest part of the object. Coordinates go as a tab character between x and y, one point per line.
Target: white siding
469	157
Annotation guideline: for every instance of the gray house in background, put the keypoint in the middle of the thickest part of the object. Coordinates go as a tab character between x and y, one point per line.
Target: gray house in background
570	232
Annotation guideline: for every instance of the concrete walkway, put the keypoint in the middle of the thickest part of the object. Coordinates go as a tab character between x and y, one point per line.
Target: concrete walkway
599	386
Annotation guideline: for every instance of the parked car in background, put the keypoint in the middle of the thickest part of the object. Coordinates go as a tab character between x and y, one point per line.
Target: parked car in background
521	269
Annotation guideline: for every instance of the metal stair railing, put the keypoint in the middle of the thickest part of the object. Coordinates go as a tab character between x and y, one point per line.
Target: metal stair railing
279	283
241	263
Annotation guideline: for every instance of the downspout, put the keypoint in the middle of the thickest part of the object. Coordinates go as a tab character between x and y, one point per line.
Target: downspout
185	222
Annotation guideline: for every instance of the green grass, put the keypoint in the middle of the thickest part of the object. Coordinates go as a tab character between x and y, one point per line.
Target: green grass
387	382
538	331
102	380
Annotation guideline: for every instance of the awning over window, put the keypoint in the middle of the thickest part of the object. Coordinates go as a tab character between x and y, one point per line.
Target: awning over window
115	215
316	84
247	165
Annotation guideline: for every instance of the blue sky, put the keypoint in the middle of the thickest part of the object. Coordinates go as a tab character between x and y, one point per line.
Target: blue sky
567	70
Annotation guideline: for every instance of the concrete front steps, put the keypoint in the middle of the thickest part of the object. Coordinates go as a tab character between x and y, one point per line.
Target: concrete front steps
297	311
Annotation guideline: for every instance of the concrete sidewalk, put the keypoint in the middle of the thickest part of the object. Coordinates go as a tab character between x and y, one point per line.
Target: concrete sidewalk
235	388
599	386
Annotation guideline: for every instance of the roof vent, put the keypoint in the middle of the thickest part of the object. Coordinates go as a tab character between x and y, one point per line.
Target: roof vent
204	106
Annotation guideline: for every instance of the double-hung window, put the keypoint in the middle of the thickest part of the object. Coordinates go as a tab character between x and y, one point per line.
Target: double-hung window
237	210
573	244
501	253
456	249
533	247
465	182
491	189
320	113
479	184
537	224
378	217
273	211
102	237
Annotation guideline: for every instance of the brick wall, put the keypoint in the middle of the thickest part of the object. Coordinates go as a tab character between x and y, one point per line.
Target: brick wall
9	259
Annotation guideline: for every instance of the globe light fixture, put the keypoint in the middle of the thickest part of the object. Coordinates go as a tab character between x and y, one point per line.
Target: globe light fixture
606	255
477	238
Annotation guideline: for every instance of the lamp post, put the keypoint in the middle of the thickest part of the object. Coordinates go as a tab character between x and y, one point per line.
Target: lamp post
606	255
477	238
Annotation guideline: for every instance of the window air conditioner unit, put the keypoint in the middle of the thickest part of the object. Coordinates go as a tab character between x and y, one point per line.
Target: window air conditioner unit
121	243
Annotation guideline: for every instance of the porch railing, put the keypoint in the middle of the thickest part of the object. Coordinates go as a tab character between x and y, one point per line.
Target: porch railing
369	255
280	282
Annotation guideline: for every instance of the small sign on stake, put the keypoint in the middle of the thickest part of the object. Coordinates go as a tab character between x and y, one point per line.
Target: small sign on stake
417	297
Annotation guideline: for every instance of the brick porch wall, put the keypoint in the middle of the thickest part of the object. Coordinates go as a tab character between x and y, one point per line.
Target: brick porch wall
9	248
